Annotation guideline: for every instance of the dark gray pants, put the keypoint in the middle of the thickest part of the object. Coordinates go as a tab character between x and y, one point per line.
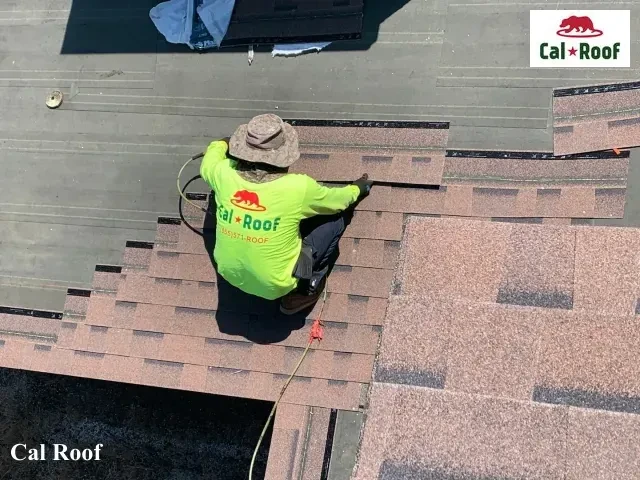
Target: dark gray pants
322	234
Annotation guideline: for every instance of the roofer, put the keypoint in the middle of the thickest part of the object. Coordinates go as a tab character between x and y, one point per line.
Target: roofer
267	243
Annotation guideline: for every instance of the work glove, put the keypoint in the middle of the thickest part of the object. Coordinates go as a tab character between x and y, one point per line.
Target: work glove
226	140
364	184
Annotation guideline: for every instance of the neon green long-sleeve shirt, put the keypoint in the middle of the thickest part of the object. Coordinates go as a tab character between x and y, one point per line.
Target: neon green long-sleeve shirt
257	233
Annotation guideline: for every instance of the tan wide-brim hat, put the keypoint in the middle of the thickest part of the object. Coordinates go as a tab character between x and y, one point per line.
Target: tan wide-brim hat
266	139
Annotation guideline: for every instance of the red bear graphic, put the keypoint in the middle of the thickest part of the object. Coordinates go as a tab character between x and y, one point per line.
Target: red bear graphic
250	198
247	200
577	24
578	27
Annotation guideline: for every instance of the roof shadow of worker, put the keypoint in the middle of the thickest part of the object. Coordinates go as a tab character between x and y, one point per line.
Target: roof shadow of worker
254	318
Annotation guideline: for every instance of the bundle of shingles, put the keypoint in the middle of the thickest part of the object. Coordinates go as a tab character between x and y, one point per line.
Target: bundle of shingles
163	318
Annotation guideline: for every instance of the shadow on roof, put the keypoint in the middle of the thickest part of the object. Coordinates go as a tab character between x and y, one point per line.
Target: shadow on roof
121	26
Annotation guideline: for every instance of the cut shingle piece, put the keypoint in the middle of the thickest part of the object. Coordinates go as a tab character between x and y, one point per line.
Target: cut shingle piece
318	446
462	435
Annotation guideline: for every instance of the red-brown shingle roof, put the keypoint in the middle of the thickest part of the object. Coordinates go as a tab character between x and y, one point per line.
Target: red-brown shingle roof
508	352
600	117
164	318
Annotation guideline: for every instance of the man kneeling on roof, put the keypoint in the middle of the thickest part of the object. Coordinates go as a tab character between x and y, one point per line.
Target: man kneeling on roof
277	233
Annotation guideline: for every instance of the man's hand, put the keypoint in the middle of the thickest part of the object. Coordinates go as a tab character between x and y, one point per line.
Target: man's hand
364	184
226	140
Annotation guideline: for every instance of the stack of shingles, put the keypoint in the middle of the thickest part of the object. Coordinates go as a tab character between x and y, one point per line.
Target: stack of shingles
600	117
417	176
509	351
257	22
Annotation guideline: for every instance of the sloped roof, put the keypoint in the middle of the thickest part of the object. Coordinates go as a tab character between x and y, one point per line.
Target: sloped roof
162	317
508	352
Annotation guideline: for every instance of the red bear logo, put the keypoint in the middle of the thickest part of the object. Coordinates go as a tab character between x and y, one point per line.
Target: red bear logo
247	201
580	27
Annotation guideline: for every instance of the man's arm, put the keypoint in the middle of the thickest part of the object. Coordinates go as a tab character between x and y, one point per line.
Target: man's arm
216	152
320	200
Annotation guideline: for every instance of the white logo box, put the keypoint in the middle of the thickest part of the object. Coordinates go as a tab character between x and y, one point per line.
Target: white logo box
587	39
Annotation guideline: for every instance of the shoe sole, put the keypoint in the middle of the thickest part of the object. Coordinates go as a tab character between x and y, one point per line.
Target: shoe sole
286	311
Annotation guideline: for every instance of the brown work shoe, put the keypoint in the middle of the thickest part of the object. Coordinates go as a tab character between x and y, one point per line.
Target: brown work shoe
296	302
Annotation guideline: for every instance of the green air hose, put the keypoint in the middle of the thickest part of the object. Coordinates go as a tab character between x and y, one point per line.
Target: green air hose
180	189
304	354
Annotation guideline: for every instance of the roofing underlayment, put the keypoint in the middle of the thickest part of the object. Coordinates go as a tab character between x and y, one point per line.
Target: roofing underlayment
162	317
508	351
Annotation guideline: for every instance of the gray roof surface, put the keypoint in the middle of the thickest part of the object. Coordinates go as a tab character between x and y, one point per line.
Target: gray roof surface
82	179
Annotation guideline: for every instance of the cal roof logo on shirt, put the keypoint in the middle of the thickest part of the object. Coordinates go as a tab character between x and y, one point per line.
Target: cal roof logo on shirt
250	201
580	38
